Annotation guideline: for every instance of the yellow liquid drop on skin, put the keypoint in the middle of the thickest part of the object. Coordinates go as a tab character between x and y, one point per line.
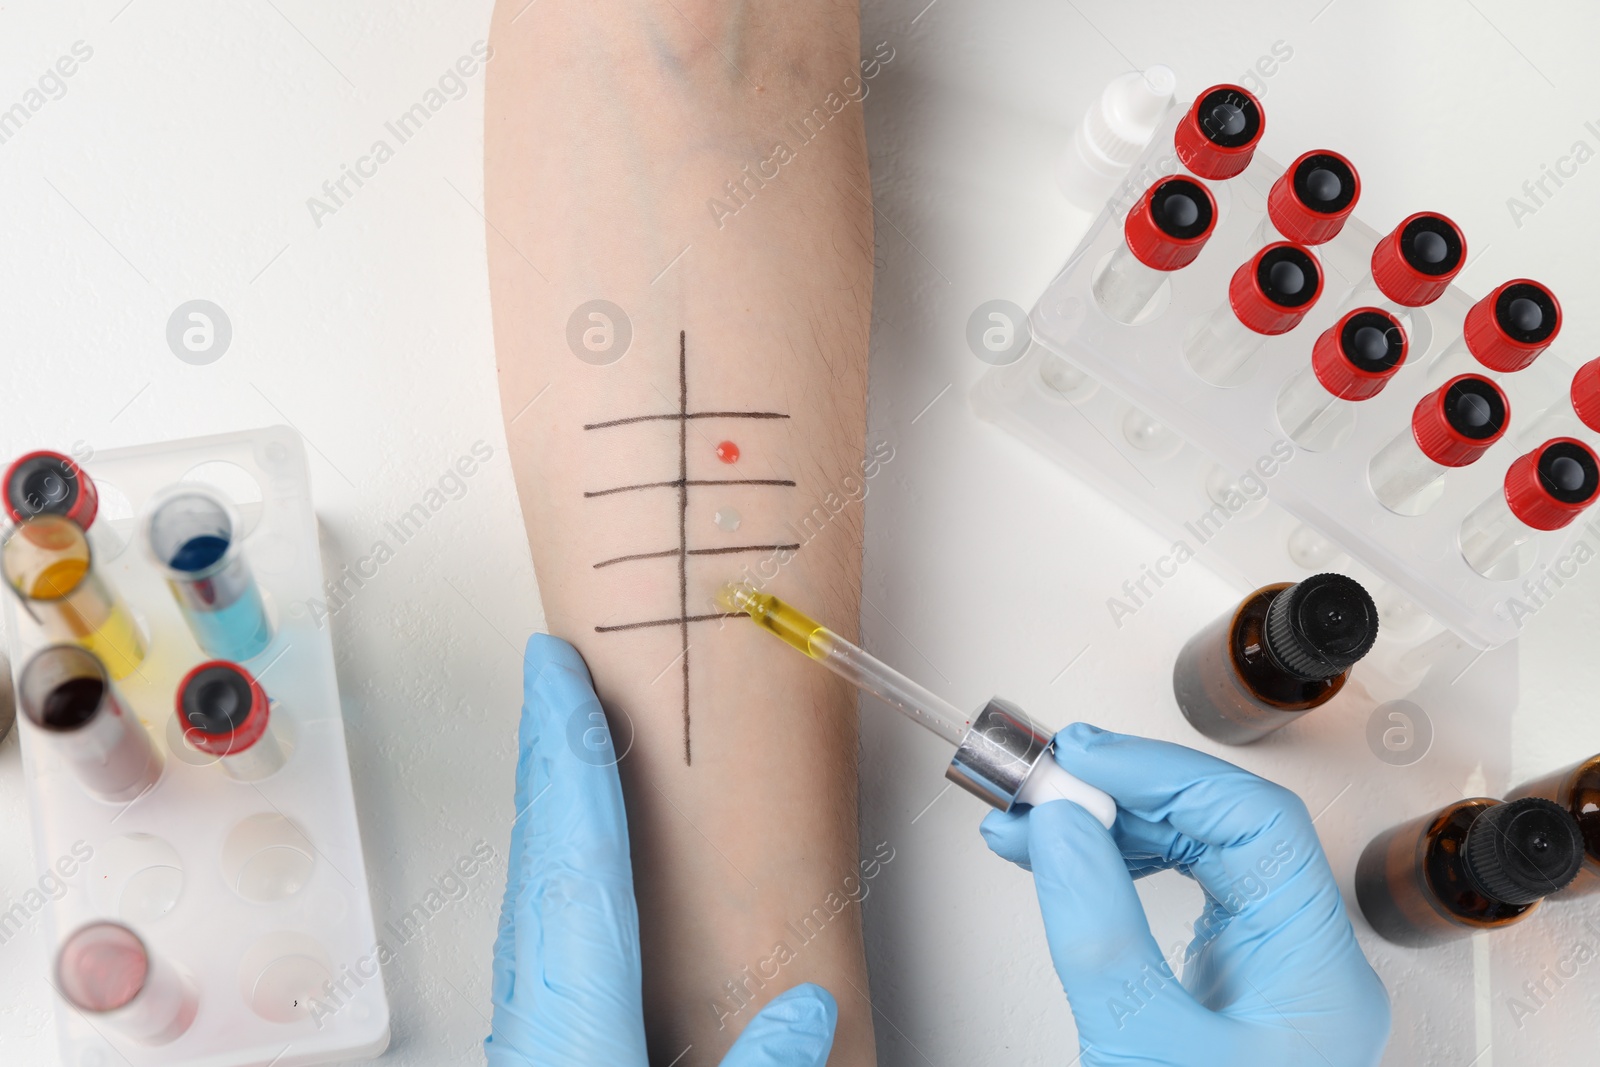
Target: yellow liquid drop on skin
797	629
115	639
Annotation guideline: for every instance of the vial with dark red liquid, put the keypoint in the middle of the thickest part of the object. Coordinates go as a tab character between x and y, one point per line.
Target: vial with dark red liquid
1287	648
1217	137
1164	232
1268	295
1576	789
49	483
1450	427
1502	333
1310	202
1352	361
1478	864
66	693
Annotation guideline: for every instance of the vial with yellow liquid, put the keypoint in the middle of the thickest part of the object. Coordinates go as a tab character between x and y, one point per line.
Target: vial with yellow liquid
46	559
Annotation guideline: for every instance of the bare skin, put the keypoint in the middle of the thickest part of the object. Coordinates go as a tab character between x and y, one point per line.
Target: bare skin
612	126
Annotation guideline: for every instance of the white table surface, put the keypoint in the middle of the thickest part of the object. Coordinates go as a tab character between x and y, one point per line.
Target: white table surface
177	165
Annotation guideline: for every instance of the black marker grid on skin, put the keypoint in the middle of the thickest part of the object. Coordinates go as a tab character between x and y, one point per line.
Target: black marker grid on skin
683	483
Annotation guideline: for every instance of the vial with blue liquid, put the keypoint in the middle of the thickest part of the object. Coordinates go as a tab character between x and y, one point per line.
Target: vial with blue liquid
193	535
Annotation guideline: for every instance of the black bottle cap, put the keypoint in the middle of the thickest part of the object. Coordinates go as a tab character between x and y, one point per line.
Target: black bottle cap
1317	628
216	700
1522	850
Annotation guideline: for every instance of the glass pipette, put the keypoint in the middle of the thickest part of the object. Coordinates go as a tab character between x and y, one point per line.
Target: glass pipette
1002	755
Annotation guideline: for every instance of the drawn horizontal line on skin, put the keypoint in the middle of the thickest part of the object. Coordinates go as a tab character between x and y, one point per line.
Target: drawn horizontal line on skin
695	552
679	482
677	620
674	417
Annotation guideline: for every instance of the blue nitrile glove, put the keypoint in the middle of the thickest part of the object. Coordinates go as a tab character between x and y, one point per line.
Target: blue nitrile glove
1274	973
566	961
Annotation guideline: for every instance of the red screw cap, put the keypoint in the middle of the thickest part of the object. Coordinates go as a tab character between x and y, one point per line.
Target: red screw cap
1356	356
1586	394
1273	290
222	708
1310	201
1457	422
1416	262
1218	136
1549	486
1171	223
49	483
1507	329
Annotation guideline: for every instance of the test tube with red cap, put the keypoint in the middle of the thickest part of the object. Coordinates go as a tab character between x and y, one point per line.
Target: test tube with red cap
1352	361
1413	264
1268	295
1544	490
1217	137
1504	332
105	971
50	483
1310	201
1575	413
1450	427
1164	232
66	693
225	713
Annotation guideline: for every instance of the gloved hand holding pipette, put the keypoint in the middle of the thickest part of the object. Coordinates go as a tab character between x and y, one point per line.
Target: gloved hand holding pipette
567	976
1274	973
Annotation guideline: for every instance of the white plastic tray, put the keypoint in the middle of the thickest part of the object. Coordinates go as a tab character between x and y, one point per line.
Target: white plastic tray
1141	369
292	976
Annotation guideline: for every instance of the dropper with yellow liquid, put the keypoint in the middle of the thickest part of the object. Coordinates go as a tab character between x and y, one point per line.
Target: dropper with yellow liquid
1002	756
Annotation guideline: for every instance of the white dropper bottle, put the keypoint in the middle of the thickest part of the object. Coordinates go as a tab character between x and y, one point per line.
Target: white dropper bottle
1113	132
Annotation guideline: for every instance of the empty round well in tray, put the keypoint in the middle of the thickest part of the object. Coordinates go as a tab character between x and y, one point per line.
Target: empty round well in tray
282	977
267	858
136	877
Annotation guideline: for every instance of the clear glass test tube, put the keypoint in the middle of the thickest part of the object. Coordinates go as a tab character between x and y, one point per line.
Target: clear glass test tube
1268	295
1578	411
66	693
1351	361
1450	427
193	536
1163	232
1544	490
105	971
47	561
225	713
1502	333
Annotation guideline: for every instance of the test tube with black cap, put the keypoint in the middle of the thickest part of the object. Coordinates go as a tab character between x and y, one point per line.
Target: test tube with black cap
1543	490
1310	201
1502	333
1413	264
1351	361
1268	295
50	483
225	713
1450	427
1217	137
1164	231
194	537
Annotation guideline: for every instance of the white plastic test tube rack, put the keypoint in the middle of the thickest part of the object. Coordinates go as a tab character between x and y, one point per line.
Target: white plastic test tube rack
252	893
1210	466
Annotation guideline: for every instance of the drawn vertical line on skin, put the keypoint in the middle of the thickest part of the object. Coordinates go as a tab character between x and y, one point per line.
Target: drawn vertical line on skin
683	527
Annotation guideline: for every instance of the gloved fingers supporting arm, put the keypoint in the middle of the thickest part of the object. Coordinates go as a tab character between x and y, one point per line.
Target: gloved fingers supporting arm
1116	980
567	973
795	1029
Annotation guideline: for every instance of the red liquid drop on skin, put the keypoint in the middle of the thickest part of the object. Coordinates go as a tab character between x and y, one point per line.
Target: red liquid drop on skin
728	452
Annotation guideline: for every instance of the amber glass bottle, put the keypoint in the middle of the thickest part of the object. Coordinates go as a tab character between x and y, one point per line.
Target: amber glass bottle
1576	788
1478	864
1284	650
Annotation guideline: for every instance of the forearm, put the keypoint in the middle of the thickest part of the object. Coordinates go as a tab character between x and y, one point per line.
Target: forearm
612	132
